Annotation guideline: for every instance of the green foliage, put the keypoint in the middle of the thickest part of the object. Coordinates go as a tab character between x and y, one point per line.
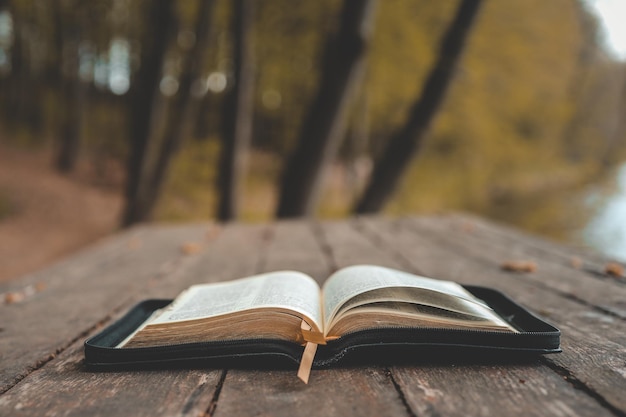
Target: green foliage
403	48
498	145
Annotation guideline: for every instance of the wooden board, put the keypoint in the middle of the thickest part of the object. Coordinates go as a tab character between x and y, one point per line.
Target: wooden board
359	391
80	296
455	390
43	373
592	360
65	387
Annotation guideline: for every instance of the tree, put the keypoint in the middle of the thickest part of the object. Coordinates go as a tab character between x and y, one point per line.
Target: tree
183	109
71	89
325	123
238	114
405	142
145	91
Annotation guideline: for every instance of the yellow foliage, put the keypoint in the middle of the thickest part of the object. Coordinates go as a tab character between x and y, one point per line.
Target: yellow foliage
506	142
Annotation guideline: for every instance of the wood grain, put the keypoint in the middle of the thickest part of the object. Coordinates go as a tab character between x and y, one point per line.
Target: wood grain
80	297
42	371
541	246
488	390
593	342
580	260
456	389
358	391
551	274
65	387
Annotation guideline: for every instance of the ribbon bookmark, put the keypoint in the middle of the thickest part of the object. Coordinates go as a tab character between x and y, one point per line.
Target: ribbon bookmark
312	340
304	371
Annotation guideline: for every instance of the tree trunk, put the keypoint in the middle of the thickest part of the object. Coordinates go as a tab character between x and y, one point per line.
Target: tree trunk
70	128
19	69
238	115
183	109
325	123
72	98
406	141
145	92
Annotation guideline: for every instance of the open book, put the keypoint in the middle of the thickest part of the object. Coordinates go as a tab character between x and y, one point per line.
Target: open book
359	306
275	305
361	314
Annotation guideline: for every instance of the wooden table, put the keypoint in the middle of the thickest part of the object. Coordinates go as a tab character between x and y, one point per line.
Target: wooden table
46	317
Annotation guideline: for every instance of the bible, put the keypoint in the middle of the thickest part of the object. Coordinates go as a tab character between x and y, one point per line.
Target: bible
287	313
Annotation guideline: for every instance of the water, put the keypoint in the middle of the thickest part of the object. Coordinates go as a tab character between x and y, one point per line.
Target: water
607	229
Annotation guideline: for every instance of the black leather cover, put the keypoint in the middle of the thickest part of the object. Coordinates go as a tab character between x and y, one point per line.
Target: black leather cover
385	345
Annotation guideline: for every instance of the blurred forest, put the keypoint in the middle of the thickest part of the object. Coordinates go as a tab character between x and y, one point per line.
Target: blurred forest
247	110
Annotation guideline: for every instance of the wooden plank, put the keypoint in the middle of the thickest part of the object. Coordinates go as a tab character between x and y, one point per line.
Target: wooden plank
570	387
455	390
593	343
607	294
483	390
568	255
348	247
97	255
334	392
593	264
63	386
79	297
237	253
294	246
357	391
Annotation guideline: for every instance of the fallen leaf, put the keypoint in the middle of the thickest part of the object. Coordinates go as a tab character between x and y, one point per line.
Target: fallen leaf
519	266
13	297
614	269
190	248
576	262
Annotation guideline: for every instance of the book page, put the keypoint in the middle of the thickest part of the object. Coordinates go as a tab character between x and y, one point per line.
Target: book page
284	290
409	295
349	282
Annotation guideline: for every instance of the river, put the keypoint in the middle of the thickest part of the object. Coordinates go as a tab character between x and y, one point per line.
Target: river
606	232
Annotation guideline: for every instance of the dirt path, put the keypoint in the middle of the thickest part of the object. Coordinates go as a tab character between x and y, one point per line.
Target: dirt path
50	215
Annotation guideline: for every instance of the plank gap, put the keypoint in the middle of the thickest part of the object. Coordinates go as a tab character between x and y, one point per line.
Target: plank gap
45	360
607	389
580	301
327	250
400	392
216	395
594	264
482	260
597	273
267	235
379	243
581	386
166	269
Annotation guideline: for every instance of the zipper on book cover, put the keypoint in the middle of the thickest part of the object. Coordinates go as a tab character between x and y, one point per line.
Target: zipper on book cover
360	336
